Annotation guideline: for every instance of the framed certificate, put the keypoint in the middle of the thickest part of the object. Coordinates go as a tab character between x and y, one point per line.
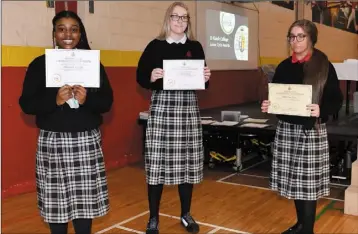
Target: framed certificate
290	99
183	75
72	67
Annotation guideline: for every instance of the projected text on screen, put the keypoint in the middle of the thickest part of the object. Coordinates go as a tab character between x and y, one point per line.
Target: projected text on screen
227	36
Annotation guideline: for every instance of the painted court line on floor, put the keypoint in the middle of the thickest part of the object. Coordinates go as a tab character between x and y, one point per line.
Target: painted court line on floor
318	216
255	176
226	177
329	206
117	225
263	188
120	225
254	165
214	231
130	230
240	173
245	185
208	225
267	177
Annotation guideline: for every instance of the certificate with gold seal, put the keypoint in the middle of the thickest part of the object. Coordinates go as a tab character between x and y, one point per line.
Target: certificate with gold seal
290	99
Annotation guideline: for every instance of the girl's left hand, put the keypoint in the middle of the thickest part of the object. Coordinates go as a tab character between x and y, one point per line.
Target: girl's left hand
80	93
207	73
314	110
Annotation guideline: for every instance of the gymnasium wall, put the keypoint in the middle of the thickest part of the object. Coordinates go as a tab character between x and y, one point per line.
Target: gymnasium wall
121	30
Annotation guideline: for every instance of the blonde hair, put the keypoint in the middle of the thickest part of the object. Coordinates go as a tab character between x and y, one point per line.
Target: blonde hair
165	30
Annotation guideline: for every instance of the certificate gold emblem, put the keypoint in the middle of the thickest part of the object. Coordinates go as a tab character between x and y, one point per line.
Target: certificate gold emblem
57	78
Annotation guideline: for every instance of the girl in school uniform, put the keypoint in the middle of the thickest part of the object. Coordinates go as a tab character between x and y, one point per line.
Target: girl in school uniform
70	170
300	167
174	146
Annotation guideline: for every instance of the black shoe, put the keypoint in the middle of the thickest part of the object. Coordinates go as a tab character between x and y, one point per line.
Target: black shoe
153	226
189	223
295	229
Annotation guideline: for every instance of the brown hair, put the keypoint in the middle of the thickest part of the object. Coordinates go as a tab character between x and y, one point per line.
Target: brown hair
165	30
316	68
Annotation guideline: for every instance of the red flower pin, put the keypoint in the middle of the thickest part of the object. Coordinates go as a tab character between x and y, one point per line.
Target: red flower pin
188	54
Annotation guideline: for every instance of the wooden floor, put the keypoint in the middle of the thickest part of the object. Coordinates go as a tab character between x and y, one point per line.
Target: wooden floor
223	207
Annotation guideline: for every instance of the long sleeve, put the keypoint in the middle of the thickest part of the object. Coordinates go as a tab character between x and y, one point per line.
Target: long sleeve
332	97
100	100
36	99
276	77
145	68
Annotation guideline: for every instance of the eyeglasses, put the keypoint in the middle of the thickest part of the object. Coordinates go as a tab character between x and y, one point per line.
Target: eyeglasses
183	18
299	38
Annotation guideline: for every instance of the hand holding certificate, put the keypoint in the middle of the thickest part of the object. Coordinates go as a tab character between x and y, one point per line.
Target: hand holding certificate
183	75
290	99
72	67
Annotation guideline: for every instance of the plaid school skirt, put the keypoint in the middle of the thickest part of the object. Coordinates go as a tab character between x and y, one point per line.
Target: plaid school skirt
174	151
70	176
300	166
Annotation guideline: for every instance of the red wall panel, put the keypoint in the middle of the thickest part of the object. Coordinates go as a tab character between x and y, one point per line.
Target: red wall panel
61	5
122	135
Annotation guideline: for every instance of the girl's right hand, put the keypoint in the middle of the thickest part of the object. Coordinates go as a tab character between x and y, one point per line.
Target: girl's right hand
63	94
157	73
264	106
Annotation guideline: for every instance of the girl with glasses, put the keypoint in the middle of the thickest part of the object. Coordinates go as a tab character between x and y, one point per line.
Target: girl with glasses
174	152
300	166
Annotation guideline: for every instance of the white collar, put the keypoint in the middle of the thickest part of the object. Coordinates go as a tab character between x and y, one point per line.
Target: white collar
182	40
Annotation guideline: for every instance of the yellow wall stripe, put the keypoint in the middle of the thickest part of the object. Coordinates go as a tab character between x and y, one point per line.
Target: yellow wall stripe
116	58
270	60
21	56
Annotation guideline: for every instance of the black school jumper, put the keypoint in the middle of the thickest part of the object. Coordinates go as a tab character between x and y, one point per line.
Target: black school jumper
70	170
300	167
174	151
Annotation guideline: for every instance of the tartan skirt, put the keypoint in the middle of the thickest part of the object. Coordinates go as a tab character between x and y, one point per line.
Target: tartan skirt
174	152
300	165
70	176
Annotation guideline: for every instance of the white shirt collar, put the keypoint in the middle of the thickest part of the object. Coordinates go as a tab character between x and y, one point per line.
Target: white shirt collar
182	40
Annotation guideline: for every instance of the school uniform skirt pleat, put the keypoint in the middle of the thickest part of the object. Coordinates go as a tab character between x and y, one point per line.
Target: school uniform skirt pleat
70	176
174	151
300	166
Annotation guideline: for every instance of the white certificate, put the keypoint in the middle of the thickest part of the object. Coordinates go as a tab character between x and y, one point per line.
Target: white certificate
290	99
183	75
72	67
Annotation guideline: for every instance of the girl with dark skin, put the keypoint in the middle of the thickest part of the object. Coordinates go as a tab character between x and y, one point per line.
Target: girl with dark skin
70	170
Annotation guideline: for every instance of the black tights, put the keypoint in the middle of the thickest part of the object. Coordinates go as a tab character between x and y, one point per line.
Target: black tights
306	215
81	226
155	194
